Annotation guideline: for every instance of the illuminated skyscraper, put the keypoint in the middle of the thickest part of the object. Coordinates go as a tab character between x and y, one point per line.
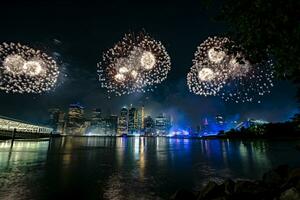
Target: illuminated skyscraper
136	120
205	126
107	126
61	123
141	118
149	126
133	120
96	116
75	120
112	124
123	122
162	124
57	120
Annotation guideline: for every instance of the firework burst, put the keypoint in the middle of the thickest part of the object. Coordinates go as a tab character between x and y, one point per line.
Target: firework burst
26	70
249	84
134	64
218	72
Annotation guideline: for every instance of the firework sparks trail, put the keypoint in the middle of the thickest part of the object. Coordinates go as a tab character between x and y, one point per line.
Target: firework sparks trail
218	72
134	64
26	70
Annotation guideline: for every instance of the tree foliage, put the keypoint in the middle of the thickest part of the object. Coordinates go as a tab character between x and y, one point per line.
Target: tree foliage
267	28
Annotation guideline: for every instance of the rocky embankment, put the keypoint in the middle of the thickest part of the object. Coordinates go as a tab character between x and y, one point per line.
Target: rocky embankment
281	183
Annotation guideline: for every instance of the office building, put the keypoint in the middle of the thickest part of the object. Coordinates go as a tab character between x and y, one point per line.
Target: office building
149	126
96	116
61	127
75	124
141	118
123	122
113	124
162	125
132	120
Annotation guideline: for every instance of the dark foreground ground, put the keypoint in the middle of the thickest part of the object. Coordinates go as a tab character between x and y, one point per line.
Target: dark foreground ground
281	183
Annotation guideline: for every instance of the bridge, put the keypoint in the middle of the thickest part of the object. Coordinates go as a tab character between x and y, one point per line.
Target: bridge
250	122
22	130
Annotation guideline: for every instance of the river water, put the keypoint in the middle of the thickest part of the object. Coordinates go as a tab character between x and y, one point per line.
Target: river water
131	168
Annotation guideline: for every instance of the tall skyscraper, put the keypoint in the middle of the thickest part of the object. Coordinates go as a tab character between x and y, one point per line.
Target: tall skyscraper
102	125
132	120
54	118
96	116
98	129
123	122
75	120
136	120
162	124
112	124
149	126
61	127
205	126
57	120
141	118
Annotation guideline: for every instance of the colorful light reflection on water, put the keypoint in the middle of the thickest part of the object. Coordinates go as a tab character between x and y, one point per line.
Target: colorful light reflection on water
131	168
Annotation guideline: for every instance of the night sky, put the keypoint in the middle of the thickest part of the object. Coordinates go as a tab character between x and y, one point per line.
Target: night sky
77	34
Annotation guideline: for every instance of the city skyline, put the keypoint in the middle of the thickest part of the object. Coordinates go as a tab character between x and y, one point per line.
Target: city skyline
133	121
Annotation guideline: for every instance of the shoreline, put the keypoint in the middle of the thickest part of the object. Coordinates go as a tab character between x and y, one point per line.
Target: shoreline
184	138
192	138
282	183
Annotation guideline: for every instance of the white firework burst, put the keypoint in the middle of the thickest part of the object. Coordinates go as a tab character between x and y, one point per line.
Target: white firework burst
26	70
208	73
217	72
134	64
250	84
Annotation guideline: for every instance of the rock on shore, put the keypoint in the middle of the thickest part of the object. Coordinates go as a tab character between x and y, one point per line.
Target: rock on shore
281	183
